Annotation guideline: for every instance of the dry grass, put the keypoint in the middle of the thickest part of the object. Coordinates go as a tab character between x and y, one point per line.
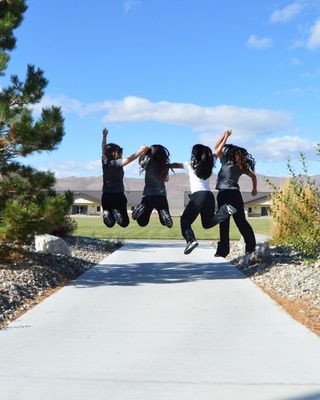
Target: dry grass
302	311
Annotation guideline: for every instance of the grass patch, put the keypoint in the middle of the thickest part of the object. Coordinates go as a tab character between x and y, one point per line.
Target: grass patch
94	227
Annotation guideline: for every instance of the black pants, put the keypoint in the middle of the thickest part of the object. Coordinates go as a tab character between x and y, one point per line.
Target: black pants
158	202
202	203
234	198
116	201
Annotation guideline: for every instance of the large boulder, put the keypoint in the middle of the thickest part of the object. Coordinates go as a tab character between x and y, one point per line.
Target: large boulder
51	244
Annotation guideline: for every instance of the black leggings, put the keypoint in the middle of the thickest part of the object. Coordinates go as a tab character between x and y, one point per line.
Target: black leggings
159	202
202	203
116	201
234	198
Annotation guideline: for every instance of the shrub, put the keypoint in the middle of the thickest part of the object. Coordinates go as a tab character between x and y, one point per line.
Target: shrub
296	212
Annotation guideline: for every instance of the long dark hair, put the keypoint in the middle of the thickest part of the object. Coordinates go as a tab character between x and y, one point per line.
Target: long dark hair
161	157
202	161
239	156
112	151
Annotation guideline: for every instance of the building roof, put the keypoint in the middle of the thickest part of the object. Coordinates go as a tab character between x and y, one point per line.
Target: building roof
133	196
247	196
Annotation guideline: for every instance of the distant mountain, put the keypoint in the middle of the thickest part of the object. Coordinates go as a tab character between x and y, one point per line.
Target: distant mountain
178	181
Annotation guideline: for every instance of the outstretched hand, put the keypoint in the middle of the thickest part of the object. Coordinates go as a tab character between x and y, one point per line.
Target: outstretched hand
105	132
254	192
228	132
144	148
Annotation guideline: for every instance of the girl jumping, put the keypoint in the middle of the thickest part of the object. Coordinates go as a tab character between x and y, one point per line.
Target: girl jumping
114	201
201	198
235	162
156	164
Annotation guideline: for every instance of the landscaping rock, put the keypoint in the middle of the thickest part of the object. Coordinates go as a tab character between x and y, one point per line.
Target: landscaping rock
51	244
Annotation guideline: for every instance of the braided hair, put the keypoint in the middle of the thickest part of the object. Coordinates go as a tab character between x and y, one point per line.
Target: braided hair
239	156
160	155
202	161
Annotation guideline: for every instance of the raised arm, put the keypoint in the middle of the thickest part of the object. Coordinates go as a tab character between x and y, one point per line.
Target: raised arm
142	158
104	140
221	142
253	177
126	160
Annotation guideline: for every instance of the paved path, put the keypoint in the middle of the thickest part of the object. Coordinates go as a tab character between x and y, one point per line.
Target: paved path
150	323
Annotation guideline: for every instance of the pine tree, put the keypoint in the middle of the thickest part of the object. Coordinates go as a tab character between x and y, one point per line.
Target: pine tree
28	205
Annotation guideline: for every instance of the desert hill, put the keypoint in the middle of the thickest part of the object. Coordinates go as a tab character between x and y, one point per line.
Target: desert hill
177	181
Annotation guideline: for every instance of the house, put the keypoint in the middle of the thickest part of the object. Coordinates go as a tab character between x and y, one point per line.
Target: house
257	206
88	202
254	206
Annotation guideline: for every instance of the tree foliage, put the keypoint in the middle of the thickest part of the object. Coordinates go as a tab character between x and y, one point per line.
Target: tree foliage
28	205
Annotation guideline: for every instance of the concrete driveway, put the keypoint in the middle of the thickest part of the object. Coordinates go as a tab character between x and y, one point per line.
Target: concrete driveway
150	323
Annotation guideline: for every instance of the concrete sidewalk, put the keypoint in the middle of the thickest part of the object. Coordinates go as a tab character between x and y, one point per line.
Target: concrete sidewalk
150	323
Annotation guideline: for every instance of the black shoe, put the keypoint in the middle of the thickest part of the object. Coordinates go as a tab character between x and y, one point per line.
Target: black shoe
138	211
118	217
190	246
220	255
165	218
108	219
231	210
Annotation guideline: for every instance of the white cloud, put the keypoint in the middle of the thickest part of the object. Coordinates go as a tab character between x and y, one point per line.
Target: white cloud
202	119
129	5
314	39
287	13
67	105
280	148
270	149
255	43
61	170
245	121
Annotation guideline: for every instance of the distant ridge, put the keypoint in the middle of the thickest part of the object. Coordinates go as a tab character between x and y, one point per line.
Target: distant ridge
178	181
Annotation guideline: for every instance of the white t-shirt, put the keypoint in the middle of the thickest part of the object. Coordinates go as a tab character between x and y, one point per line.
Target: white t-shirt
196	184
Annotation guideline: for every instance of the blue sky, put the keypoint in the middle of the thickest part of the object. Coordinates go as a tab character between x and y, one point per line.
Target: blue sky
176	72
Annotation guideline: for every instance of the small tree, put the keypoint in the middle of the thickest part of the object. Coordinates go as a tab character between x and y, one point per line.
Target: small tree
296	211
28	205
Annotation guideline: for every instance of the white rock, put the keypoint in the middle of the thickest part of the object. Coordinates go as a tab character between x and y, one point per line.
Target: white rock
51	244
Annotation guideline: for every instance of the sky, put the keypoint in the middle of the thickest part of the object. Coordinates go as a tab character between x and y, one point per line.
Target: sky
176	72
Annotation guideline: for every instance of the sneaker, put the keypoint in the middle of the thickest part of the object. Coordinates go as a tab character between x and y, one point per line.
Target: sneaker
190	246
117	217
138	211
108	219
165	218
249	258
231	210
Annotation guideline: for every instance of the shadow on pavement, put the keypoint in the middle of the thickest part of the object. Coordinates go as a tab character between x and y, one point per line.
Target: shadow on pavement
311	396
155	273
